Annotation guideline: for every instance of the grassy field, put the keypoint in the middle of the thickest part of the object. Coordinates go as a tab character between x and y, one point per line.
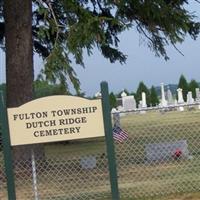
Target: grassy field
63	176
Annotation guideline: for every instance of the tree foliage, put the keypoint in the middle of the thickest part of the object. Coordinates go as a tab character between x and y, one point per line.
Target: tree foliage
153	97
113	100
43	88
63	30
192	87
183	84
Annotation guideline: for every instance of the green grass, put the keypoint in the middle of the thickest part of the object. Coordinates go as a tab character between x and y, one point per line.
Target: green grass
76	148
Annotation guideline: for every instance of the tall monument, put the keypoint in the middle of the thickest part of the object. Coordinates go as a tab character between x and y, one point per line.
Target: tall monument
163	100
180	95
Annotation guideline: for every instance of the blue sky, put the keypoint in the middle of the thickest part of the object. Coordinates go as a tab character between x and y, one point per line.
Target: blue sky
141	65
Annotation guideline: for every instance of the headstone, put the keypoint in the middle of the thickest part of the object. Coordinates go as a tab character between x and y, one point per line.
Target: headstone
190	100
180	95
123	94
163	100
88	162
167	151
169	97
98	95
180	99
114	110
144	104
197	94
128	102
120	108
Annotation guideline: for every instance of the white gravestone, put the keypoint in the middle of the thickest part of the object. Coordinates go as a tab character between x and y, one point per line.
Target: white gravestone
169	97
144	103
123	94
180	95
180	99
121	110
163	100
197	94
190	100
167	151
114	110
98	95
128	102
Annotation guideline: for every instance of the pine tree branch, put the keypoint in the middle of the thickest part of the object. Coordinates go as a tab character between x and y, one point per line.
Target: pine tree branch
55	20
140	29
177	49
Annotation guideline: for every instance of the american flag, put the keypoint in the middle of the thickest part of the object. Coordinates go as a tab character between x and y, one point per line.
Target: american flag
119	135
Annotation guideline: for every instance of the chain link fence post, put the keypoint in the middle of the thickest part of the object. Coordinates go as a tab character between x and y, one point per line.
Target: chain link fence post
109	141
7	149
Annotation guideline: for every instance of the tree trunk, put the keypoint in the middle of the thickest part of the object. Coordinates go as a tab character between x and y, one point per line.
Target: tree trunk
19	51
19	60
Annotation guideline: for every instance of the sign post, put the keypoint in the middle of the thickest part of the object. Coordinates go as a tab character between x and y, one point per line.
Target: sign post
109	141
7	149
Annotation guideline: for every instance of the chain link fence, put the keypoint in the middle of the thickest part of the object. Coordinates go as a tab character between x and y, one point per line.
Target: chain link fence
161	157
64	171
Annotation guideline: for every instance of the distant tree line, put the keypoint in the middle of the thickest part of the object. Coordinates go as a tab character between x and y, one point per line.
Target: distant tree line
43	88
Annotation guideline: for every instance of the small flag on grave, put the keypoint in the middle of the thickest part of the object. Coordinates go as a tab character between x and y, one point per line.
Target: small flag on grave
119	135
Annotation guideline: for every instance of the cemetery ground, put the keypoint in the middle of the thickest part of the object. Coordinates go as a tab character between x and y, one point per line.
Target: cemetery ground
172	179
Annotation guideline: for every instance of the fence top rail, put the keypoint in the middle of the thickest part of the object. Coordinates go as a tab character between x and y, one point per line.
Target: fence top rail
162	108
